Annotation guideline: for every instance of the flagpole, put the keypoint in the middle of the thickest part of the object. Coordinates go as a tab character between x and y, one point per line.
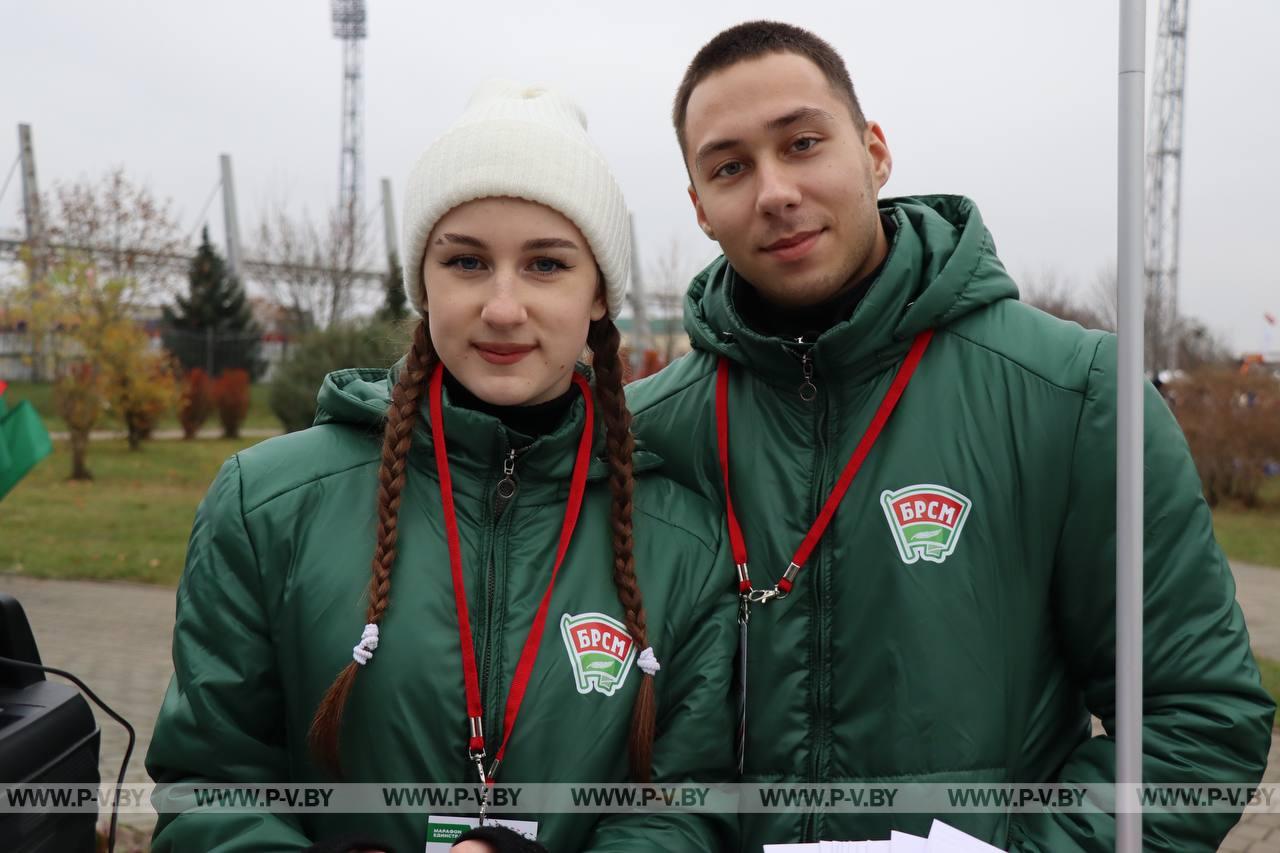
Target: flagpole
1131	290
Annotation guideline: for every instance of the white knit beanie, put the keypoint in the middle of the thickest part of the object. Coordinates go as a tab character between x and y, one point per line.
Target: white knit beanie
530	143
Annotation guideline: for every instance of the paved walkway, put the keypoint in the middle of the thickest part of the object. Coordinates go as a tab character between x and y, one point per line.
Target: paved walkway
1258	591
116	637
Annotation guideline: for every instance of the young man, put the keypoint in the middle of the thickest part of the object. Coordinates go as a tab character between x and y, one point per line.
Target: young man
954	621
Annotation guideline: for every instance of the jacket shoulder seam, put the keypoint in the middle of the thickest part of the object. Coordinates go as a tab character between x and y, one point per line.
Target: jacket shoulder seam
1023	367
303	484
248	537
669	523
1075	443
672	392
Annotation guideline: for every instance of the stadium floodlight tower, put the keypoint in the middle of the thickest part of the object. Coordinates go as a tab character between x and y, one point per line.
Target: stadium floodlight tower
1164	184
349	25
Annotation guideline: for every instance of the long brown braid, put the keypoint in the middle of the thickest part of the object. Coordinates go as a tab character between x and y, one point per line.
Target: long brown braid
604	341
402	416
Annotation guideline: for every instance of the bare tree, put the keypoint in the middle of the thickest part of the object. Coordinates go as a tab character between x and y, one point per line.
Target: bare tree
112	229
1155	320
668	279
120	229
1052	293
311	269
1105	298
1189	341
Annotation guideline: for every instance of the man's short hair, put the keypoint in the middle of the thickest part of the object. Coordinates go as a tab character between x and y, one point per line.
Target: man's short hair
755	39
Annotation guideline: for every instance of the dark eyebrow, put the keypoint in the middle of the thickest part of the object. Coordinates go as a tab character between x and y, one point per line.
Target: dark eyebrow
801	114
529	246
461	239
796	115
549	243
713	148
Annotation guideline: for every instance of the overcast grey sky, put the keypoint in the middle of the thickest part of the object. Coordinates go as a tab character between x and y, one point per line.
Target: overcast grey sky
1011	102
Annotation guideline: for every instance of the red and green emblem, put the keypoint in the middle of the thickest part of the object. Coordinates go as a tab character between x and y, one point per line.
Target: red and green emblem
926	521
600	651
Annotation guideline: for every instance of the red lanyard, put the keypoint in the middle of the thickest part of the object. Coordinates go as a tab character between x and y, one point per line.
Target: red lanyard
819	527
524	668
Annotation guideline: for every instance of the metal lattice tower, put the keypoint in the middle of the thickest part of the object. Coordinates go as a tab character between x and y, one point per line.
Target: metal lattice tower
1164	183
349	24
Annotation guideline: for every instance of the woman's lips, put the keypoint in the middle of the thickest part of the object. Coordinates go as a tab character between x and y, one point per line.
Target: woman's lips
502	353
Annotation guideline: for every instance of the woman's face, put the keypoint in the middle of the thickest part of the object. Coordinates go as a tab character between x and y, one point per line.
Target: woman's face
511	290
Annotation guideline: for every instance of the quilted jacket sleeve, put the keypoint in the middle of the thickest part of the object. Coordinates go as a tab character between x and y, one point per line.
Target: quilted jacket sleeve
222	718
1206	717
695	728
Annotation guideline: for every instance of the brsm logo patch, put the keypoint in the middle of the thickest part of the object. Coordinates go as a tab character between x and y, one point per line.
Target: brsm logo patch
601	651
926	521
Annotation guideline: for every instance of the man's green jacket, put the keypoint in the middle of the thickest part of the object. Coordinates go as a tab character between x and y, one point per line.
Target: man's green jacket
957	620
273	598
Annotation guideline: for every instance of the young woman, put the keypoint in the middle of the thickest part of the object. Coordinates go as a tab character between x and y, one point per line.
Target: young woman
543	606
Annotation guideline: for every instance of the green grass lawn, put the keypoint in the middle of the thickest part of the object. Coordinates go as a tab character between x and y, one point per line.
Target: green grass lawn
40	394
130	523
1252	535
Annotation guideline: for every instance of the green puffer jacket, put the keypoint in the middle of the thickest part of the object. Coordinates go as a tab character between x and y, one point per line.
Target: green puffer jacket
273	598
965	636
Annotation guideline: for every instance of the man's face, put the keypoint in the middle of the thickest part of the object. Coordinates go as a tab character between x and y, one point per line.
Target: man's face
784	180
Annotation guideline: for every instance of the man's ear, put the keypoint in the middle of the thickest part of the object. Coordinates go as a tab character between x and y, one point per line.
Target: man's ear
878	151
700	213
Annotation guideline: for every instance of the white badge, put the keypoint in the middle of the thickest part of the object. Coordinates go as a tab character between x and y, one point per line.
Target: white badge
444	830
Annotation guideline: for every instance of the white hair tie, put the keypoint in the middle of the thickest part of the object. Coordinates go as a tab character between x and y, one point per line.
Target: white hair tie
648	662
368	642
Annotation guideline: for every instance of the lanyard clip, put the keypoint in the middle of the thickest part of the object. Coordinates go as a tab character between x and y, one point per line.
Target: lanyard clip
486	781
477	758
476	753
780	590
475	749
486	784
764	596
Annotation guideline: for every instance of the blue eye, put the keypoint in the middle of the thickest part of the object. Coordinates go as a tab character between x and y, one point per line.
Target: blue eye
465	263
547	266
804	143
728	170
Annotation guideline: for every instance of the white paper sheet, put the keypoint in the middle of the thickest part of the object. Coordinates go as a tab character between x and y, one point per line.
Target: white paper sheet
905	843
944	838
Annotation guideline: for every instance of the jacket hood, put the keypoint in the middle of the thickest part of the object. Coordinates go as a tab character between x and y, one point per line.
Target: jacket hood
359	397
941	266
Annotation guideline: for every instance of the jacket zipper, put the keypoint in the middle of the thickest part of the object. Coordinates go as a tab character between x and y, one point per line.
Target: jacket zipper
819	582
504	493
808	389
506	488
